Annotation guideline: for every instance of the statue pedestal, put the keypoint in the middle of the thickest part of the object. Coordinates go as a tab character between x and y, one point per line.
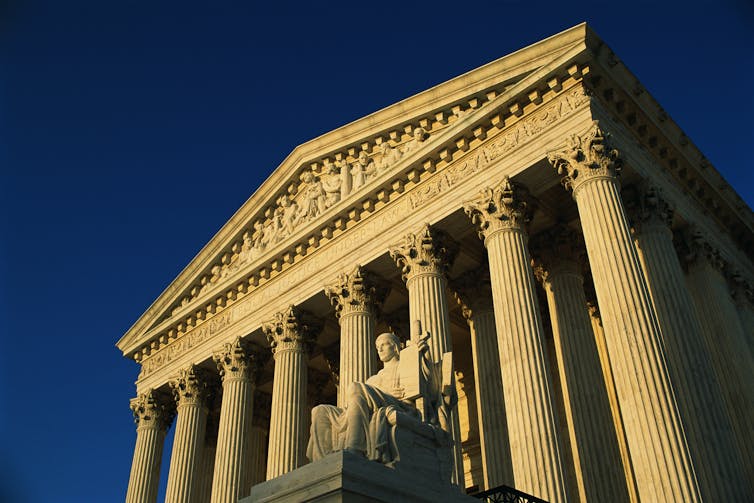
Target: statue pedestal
346	477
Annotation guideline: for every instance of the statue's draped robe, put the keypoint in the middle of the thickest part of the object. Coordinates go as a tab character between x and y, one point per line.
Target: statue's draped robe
362	425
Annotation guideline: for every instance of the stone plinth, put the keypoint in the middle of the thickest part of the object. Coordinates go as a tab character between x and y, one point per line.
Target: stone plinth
347	477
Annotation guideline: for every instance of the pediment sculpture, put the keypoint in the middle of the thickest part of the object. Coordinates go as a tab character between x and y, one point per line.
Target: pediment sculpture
400	416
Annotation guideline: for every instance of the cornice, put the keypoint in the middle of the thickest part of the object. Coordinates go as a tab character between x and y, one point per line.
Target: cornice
622	95
418	184
460	115
218	249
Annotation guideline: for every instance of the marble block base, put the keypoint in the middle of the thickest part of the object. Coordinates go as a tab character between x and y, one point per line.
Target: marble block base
349	478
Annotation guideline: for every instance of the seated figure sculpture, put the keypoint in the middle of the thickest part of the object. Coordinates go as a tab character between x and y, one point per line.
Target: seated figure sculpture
411	394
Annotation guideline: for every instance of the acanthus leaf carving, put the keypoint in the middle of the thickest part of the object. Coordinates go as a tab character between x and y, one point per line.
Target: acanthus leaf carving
586	157
427	251
503	207
473	292
190	386
235	360
356	291
291	330
646	207
556	250
152	410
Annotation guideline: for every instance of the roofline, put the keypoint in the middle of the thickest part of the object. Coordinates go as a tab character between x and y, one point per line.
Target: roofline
527	58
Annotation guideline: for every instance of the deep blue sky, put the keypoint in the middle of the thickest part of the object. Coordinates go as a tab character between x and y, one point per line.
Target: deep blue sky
131	131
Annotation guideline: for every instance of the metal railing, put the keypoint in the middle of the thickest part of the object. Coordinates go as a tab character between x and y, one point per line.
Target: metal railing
505	494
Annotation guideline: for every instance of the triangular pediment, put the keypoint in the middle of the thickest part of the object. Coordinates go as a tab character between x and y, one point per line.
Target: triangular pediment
321	176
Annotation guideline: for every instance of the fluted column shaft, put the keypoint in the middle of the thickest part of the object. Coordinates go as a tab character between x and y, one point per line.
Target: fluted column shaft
229	482
358	356
356	297
502	214
188	442
656	440
258	455
743	297
594	445
474	294
287	428
428	302
724	338
612	396
207	470
290	340
153	420
526	383
698	394
496	454
424	258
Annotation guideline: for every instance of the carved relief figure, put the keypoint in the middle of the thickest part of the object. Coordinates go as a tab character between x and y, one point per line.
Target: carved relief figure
367	166
415	142
314	195
345	178
289	217
247	246
358	177
257	238
389	157
332	182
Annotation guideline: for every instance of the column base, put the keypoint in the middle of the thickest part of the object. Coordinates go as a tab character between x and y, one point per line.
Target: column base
347	477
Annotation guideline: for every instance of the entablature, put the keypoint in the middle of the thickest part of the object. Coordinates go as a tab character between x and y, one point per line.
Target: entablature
304	205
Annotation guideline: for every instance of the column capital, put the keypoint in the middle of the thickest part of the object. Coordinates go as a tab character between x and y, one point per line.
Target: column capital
152	410
235	360
288	331
557	250
190	386
506	206
693	247
428	251
473	292
356	291
647	208
586	157
743	290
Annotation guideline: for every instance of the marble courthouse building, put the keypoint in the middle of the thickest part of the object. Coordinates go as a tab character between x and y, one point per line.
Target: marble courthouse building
546	221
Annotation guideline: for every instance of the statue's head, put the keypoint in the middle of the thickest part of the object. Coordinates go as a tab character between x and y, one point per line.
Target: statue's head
388	346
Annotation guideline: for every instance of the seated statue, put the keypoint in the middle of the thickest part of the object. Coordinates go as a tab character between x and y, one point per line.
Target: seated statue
410	391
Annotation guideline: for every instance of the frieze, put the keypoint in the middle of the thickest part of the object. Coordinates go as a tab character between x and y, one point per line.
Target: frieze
518	135
320	187
481	157
185	343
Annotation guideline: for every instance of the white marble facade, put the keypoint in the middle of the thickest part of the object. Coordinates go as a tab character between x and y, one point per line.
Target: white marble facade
547	223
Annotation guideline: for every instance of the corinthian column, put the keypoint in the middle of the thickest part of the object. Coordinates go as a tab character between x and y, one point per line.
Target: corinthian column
502	214
290	340
655	437
474	294
724	337
424	259
153	418
209	452
743	296
594	445
698	395
259	438
190	391
236	365
355	296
